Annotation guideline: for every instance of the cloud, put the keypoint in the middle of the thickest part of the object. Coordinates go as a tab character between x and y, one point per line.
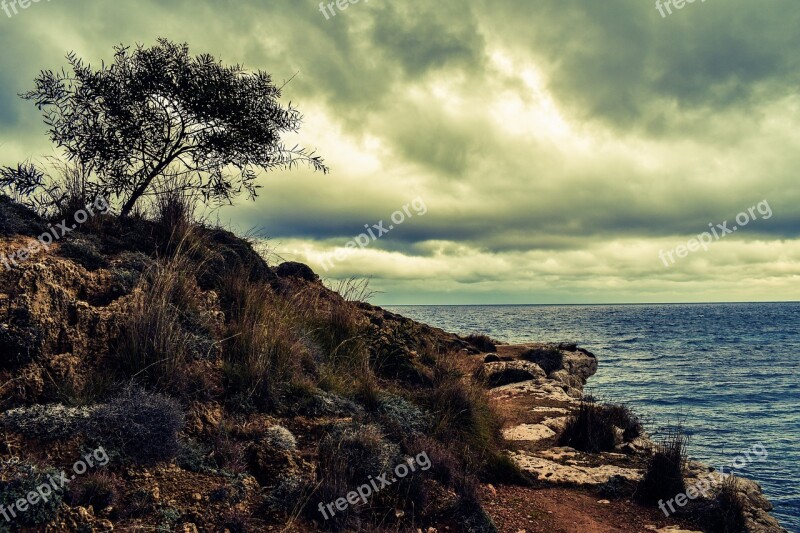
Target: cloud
558	146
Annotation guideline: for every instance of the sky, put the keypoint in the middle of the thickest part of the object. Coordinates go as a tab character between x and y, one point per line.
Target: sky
538	151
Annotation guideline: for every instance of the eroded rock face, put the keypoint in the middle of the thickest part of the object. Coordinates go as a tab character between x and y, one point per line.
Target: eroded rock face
497	374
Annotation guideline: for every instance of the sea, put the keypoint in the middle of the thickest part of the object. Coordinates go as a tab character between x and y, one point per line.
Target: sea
728	374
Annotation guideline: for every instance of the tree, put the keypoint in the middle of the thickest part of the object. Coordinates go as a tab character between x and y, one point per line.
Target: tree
157	112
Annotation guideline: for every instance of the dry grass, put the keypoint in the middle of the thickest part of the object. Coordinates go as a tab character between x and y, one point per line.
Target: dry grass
463	415
155	345
263	348
664	477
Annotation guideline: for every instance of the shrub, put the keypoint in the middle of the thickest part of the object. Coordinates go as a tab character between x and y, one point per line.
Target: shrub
501	468
85	251
548	358
348	457
47	422
141	426
589	429
470	513
192	456
17	480
98	489
482	342
280	438
174	205
622	417
663	477
727	514
402	416
592	427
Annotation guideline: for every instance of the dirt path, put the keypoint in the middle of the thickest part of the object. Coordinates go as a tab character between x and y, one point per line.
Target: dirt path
562	510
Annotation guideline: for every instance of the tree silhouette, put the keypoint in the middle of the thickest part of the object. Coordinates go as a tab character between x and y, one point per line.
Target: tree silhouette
157	112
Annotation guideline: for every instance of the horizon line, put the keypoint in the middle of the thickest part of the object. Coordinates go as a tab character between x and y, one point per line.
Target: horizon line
588	304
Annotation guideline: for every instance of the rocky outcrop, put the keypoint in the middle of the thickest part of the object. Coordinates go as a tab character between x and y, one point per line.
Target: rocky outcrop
551	378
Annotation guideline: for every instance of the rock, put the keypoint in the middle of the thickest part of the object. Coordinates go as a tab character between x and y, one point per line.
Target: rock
528	432
491	358
292	269
572	474
503	373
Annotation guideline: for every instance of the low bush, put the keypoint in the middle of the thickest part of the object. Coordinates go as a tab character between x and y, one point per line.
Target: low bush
470	512
502	469
47	422
17	480
140	426
159	333
463	417
482	342
84	250
402	417
663	478
280	438
624	418
727	510
549	358
261	355
593	427
589	430
98	489
349	456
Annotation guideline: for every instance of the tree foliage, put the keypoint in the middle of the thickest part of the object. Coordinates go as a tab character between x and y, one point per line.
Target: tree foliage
159	113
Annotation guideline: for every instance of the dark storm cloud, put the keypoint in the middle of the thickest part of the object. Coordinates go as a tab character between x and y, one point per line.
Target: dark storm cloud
614	59
558	144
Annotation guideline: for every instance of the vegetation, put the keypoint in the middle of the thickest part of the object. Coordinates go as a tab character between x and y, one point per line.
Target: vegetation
482	342
17	480
549	358
664	478
139	426
593	427
154	116
727	510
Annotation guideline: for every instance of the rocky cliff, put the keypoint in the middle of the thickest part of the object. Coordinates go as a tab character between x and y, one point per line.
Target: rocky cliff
230	395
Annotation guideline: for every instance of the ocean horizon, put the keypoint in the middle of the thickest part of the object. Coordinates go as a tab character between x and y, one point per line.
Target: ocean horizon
725	372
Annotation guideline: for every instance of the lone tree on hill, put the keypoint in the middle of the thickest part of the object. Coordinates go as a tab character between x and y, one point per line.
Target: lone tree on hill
157	113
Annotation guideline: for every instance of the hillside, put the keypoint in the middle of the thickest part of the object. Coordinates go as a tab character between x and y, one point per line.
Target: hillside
202	389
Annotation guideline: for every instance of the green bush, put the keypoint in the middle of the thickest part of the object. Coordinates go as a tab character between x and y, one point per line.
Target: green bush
16	481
